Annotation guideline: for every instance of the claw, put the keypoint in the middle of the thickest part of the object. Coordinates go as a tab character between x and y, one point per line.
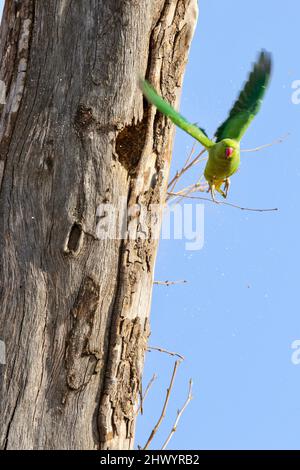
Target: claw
213	192
226	187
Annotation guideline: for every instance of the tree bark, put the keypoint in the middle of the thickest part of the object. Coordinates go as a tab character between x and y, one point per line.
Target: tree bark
76	135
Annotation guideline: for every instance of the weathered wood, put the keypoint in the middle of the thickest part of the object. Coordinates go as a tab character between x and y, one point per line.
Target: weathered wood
76	134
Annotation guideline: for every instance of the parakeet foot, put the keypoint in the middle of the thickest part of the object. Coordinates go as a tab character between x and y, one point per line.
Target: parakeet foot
213	193
222	193
226	187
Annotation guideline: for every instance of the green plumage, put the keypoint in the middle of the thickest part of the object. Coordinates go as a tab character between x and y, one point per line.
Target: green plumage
248	103
224	154
195	131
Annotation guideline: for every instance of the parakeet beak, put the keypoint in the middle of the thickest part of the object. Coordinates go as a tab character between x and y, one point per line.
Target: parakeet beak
229	152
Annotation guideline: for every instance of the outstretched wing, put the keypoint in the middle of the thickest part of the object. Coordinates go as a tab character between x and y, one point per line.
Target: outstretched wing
175	117
249	100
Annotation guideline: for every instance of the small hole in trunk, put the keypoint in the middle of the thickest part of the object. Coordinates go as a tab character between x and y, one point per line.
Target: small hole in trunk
75	238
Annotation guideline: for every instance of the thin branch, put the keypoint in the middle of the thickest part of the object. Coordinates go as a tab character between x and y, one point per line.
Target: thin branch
173	182
275	142
203	186
169	283
192	188
143	397
163	413
188	164
185	168
179	414
226	203
190	154
162	350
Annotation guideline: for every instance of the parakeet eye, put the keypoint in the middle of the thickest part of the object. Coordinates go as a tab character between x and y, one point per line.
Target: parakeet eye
229	152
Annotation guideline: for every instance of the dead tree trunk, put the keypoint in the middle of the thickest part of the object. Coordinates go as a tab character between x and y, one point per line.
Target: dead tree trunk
76	134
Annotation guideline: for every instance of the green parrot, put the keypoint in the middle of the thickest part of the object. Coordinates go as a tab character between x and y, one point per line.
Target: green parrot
223	153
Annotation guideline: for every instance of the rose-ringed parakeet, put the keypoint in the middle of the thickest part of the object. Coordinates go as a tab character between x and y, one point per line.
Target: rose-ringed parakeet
224	152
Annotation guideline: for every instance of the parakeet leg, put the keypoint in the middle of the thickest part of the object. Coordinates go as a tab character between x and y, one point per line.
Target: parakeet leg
226	187
218	188
221	192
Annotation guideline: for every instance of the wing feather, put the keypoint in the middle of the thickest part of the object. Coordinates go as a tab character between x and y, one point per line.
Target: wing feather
249	100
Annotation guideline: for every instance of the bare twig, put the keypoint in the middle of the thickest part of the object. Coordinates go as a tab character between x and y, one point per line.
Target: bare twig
188	163
163	413
185	168
226	203
143	397
162	350
199	186
275	142
193	188
179	414
169	283
174	181
191	153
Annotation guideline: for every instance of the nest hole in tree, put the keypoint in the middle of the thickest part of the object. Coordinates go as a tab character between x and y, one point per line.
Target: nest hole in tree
130	142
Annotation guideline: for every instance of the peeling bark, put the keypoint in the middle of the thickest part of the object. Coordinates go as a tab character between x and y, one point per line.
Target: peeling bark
75	134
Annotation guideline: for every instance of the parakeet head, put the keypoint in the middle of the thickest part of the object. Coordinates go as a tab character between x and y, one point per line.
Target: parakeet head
228	148
228	152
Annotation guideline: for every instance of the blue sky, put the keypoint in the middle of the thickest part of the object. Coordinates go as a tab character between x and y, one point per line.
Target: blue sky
236	318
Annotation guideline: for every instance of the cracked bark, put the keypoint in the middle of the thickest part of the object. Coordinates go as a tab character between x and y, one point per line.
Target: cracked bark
75	134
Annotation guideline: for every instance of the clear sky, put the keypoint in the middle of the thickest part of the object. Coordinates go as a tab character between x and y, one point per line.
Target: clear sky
236	318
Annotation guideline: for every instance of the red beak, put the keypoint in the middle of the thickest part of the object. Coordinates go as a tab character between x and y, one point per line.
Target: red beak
229	152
